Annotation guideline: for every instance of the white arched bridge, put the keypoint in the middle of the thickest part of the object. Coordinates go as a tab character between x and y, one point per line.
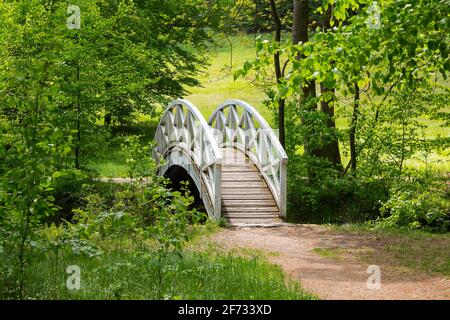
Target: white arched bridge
235	160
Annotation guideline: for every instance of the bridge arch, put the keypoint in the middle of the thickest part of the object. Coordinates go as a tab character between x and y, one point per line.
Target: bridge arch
184	139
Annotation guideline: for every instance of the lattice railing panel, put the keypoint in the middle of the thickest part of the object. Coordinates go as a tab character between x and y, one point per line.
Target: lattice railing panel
237	124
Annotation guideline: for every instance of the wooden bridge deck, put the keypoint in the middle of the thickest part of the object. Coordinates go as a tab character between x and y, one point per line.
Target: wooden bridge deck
246	198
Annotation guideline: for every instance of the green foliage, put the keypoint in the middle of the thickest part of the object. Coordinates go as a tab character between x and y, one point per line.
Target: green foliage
391	72
416	207
56	85
254	16
330	198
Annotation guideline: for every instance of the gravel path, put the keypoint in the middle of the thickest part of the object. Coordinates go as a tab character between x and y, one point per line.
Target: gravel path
330	278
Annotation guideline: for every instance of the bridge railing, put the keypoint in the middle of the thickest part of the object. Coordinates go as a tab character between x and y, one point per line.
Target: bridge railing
237	124
184	138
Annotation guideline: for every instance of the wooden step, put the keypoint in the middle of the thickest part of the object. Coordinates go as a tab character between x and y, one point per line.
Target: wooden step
253	221
247	196
243	178
250	215
238	168
241	173
248	203
255	188
244	186
229	166
250	209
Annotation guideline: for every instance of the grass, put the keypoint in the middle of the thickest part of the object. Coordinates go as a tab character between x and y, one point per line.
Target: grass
218	84
110	166
414	250
127	274
332	253
112	163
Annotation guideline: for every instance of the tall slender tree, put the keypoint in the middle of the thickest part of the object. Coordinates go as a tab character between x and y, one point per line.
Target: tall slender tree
300	34
278	71
328	149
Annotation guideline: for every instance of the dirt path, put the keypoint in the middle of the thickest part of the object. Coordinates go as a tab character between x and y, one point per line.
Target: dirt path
331	278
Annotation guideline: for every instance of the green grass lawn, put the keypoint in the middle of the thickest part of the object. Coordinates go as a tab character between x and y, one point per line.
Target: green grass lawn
218	84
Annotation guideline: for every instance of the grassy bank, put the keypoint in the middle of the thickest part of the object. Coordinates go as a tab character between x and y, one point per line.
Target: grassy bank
126	273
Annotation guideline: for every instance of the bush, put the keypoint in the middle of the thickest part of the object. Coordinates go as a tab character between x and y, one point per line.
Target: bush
331	197
70	187
416	209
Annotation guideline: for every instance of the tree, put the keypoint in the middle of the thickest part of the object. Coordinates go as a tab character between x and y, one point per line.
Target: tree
300	32
329	147
56	84
279	73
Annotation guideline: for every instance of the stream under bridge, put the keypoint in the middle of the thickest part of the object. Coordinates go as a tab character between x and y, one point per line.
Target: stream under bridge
234	159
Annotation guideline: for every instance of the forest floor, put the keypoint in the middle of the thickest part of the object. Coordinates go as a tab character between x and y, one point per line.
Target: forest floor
332	264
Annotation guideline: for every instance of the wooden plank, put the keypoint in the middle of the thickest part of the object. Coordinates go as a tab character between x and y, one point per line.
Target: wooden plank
234	190
248	203
238	169
243	186
242	178
239	173
243	163
246	196
253	220
250	209
252	217
234	165
250	214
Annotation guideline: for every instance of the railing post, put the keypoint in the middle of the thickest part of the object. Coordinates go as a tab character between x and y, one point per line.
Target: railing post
283	186
217	190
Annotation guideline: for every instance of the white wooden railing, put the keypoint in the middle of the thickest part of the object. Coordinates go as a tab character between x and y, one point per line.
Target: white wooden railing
237	124
184	138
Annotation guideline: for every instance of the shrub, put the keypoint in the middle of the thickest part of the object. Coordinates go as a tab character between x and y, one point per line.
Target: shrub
426	209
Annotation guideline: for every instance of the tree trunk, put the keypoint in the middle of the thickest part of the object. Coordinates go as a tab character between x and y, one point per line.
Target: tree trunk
108	119
300	33
353	130
300	21
278	72
329	150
